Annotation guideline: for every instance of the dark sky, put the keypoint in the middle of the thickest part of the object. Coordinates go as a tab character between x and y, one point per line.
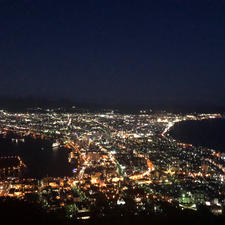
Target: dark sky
113	51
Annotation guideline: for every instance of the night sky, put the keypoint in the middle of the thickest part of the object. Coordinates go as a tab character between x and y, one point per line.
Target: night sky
107	51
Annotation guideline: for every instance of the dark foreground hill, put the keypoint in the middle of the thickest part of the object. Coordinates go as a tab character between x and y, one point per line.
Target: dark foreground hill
13	212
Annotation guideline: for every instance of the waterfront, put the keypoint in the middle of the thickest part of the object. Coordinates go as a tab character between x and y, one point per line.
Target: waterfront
118	156
206	133
41	160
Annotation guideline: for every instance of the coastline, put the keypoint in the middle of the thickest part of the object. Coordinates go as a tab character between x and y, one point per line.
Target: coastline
182	131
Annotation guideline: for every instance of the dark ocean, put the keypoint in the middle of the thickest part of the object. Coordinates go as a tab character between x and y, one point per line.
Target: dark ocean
39	157
207	133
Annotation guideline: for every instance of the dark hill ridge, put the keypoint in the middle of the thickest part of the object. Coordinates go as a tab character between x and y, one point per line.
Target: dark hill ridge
23	103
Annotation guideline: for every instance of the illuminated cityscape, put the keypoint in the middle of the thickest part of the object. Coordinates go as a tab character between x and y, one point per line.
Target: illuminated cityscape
112	112
118	156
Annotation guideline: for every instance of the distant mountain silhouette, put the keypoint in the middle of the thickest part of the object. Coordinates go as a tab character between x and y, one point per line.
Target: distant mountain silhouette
23	103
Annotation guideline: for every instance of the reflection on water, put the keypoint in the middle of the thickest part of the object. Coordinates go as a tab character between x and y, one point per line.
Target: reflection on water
39	157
